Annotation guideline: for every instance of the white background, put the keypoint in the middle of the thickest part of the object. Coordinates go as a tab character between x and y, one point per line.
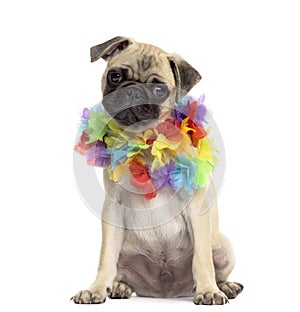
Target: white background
248	54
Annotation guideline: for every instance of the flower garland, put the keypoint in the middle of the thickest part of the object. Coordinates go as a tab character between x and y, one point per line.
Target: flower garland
177	153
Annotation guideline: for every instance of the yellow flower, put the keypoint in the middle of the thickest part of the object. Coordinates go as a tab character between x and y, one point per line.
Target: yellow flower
162	149
205	151
118	172
184	126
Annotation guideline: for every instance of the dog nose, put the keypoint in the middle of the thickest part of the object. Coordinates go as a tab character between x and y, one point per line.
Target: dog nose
133	94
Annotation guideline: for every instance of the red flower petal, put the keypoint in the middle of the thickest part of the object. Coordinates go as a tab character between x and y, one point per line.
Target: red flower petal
177	124
146	188
81	147
149	191
150	141
139	172
192	109
198	133
141	180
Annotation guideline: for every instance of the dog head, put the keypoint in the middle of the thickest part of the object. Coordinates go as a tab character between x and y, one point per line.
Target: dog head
141	82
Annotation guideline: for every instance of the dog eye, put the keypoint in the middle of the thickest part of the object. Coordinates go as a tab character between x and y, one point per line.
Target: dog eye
159	90
114	77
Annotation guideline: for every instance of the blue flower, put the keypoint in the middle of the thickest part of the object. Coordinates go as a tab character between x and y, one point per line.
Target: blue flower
183	102
98	108
184	175
84	123
118	154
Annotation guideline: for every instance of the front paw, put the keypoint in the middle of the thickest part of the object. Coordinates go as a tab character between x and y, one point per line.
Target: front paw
231	289
87	296
210	298
120	291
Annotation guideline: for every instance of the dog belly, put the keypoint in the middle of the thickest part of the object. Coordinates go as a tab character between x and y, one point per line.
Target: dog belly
156	279
157	262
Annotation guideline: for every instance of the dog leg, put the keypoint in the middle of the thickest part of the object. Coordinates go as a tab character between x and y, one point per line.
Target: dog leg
112	240
223	257
206	289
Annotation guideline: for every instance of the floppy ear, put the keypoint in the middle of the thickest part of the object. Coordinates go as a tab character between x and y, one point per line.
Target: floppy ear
185	75
109	48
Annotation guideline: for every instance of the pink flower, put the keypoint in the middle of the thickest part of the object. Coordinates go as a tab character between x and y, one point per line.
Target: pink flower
81	147
171	132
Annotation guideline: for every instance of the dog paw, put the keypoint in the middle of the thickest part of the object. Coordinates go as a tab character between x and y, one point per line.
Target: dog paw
231	289
120	291
86	296
210	298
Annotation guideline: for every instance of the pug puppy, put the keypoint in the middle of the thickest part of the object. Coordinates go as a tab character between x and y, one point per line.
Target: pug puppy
185	256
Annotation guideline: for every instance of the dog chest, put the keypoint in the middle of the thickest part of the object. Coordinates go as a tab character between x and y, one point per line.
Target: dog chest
169	242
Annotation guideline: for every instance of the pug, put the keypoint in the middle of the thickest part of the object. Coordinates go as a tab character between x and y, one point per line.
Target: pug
185	256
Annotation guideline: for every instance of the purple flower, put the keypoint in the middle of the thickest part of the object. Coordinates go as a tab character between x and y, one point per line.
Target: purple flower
85	113
182	111
201	111
178	115
97	155
161	177
201	99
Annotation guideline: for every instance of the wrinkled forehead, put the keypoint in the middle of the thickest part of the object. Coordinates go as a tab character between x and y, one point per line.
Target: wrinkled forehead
144	63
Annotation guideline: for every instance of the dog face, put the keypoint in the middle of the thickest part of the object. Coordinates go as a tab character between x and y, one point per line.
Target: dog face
141	82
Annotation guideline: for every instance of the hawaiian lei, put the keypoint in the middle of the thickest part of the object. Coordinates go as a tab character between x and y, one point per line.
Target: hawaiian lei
179	154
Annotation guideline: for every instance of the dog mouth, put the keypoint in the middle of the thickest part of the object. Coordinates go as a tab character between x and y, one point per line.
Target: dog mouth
137	114
135	103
